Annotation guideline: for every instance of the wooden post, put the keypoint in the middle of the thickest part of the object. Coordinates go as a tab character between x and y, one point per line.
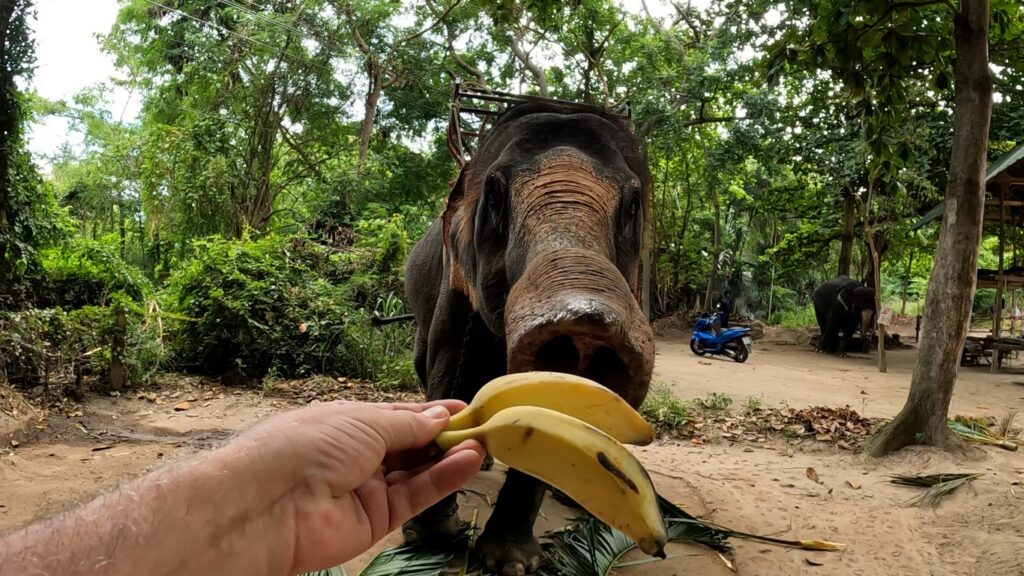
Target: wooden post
997	320
118	372
1000	281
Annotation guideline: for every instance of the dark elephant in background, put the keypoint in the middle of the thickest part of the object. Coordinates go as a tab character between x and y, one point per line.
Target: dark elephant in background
534	265
842	306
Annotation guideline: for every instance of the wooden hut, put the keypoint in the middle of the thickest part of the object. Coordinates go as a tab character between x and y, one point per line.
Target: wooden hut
1004	218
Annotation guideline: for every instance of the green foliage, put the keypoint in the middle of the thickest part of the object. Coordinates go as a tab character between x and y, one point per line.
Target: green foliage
715	401
40	343
796	318
83	272
663	409
752	404
278	303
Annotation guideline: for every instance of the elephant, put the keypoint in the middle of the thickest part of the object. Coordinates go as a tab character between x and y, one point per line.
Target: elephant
533	265
843	305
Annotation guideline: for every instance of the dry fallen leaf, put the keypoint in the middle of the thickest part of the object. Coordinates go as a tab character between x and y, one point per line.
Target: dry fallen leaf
853	484
813	474
814	562
182	406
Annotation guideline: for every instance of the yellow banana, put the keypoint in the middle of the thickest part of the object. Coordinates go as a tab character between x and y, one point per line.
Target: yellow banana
578	459
572	395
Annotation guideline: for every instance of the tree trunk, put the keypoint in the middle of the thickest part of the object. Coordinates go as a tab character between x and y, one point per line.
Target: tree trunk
715	248
122	232
370	113
906	280
874	278
10	130
951	287
538	73
849	220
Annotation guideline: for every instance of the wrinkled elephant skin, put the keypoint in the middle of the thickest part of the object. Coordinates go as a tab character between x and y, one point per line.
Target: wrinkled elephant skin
843	306
534	265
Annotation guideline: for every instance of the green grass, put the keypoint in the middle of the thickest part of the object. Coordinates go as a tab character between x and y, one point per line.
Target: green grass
715	401
752	404
663	409
796	318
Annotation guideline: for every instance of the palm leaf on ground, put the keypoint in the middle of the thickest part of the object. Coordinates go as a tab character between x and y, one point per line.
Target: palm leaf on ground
937	486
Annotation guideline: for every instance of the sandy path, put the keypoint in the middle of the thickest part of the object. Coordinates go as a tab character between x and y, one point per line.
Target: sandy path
761	488
792	374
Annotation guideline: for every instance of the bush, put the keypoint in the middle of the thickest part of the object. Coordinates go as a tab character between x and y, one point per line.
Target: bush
38	341
86	272
796	318
23	346
663	410
281	304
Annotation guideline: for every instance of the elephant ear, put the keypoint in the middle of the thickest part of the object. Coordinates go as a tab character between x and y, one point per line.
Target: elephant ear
455	253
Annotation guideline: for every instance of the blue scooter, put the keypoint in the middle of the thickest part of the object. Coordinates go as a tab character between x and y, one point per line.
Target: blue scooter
732	342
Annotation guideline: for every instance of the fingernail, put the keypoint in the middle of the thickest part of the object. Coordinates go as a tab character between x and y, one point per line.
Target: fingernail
437	412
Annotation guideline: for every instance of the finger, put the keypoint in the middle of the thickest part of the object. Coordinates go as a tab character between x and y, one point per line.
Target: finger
452	405
410	459
415	494
395	475
404	429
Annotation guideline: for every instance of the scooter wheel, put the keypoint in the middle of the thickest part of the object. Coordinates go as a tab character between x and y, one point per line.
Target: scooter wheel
697	348
741	353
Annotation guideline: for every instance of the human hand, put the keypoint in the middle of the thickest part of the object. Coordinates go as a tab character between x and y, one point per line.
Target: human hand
344	475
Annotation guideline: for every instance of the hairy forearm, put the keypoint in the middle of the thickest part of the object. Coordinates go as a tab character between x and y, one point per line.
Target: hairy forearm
201	516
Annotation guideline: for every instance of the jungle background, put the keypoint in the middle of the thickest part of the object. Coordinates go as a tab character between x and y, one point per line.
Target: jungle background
257	212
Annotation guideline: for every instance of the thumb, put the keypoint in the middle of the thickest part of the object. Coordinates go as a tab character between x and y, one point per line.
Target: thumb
406	429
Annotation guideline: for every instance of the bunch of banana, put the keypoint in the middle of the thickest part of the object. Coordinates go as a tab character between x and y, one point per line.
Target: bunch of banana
566	431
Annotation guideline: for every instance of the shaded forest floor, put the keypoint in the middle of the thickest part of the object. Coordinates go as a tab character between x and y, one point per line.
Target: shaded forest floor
757	483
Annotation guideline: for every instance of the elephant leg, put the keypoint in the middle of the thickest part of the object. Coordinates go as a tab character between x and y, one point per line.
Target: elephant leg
827	343
439	524
419	356
844	343
507	545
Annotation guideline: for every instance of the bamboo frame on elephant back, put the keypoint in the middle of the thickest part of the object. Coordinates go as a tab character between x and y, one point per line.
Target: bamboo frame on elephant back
487	105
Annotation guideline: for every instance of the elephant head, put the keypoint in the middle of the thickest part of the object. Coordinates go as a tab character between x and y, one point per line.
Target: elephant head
544	228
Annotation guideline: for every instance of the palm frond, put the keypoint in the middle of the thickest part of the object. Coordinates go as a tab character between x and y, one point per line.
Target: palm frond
937	486
409	561
682	527
588	547
336	571
974	431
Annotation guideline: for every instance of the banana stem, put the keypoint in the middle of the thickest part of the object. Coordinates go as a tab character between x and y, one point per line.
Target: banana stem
452	438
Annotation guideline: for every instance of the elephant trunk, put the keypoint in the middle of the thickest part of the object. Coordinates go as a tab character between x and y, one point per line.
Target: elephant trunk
866	327
573	312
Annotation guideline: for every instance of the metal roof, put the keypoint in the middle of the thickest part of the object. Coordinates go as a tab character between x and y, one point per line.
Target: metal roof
994	169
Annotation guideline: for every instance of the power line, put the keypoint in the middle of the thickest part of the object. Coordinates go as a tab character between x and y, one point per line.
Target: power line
246	38
276	23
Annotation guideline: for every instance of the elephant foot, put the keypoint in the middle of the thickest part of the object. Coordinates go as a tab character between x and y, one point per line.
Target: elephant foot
436	531
508	551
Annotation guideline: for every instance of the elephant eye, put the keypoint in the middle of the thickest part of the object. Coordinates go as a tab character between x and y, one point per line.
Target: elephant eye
634	207
494	190
491	214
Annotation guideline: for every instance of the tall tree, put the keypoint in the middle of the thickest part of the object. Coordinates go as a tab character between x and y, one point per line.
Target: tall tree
29	215
947	310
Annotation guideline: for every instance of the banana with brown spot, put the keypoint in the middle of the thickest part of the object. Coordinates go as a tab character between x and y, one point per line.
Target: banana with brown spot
578	459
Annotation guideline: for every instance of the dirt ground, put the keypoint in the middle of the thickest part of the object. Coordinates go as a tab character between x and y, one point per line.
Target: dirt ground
759	487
